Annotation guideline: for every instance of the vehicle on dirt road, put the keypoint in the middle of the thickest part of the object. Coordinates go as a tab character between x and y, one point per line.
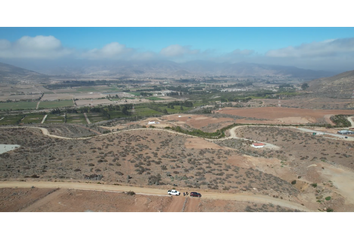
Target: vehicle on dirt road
195	194
173	192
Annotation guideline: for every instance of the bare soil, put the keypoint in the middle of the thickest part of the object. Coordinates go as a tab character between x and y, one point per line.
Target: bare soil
282	115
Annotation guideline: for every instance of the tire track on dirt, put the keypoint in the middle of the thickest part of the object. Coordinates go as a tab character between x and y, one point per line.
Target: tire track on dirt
38	202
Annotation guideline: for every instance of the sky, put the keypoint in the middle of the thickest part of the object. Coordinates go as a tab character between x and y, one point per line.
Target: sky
319	48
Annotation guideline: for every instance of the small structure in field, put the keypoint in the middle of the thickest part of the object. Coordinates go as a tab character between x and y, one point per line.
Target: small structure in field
257	145
151	122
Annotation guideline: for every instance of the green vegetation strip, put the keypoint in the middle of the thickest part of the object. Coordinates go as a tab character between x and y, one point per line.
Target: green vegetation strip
18	105
56	104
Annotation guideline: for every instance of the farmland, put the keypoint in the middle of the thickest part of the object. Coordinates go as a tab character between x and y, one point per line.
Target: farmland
55	104
18	105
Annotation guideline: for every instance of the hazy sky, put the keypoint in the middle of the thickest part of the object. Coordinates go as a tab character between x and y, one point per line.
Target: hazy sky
311	48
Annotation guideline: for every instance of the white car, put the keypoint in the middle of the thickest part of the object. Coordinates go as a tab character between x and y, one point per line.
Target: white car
173	192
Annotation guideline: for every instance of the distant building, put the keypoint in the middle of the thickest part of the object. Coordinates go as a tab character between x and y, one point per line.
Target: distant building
258	145
345	132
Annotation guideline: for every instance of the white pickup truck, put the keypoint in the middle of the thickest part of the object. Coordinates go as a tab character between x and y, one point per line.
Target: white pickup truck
173	192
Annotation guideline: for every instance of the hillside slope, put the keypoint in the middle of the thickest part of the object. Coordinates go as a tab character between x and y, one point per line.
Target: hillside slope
338	86
11	74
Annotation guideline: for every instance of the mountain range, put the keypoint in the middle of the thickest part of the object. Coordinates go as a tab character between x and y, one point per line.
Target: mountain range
11	74
99	69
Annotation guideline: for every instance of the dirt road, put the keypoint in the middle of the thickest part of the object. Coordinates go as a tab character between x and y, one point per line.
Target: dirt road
87	120
244	197
350	119
43	120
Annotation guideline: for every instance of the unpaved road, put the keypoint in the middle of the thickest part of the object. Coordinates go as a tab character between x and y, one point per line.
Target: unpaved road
44	118
87	120
350	119
244	197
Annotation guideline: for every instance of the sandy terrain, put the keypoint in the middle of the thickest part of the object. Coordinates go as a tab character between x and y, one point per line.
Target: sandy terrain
281	115
93	102
80	199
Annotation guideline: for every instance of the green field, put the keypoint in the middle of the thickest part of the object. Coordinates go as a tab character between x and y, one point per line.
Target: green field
177	109
54	118
75	118
33	118
145	111
18	105
56	104
11	120
86	89
154	98
96	117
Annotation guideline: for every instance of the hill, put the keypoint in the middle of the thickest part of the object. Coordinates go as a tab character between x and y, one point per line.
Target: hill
338	86
10	74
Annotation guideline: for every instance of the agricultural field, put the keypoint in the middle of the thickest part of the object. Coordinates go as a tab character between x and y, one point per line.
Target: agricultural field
92	102
17	105
144	111
56	97
96	117
75	118
54	118
55	104
31	97
11	119
33	118
154	98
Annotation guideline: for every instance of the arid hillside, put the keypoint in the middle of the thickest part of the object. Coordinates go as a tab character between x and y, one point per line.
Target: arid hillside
338	86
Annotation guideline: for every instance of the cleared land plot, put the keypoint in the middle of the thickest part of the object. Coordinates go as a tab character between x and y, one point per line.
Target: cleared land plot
56	104
7	147
281	115
18	105
20	97
33	118
75	118
71	200
206	123
54	97
54	118
94	95
93	102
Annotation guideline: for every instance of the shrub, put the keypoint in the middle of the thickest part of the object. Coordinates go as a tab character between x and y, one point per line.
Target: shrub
131	193
328	198
293	182
314	185
329	210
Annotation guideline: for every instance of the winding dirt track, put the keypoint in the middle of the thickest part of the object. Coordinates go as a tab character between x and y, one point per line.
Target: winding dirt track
244	197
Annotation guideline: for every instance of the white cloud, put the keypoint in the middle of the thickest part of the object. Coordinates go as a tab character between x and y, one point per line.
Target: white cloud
112	50
177	51
39	47
4	44
327	48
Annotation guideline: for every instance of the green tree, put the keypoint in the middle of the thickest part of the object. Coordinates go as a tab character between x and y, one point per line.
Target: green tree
304	86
